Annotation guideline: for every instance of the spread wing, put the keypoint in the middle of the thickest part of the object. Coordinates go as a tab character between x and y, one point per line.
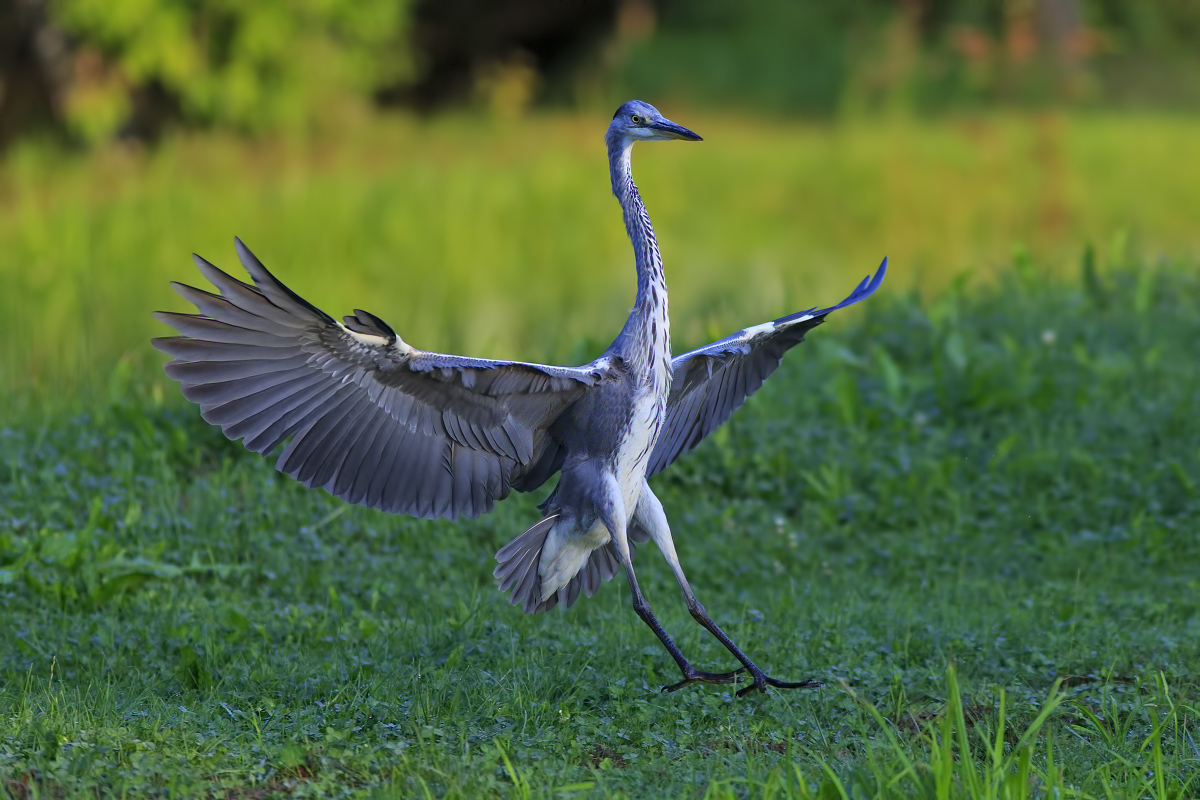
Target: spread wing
371	419
712	382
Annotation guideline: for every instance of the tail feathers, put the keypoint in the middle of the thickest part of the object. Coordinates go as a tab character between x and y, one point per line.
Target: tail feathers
518	565
518	571
602	565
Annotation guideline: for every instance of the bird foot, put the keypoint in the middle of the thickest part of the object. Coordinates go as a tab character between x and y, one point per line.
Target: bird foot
691	676
760	681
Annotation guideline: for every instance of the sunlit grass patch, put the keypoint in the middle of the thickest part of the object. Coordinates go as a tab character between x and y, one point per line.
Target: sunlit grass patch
502	239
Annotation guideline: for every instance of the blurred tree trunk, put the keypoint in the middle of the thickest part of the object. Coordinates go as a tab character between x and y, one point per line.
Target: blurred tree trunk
463	47
35	69
1061	30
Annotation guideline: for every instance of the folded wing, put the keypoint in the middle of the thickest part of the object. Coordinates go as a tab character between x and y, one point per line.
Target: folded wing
371	419
712	382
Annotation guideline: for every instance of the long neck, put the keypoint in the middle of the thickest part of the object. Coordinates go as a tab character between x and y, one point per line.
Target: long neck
645	340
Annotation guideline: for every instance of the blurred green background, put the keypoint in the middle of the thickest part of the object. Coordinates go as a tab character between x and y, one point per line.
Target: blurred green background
441	163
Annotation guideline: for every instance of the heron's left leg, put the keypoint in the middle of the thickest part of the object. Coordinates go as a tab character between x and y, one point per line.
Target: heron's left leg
653	519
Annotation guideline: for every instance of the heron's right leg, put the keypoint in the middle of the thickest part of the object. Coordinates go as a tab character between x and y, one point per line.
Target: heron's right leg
612	513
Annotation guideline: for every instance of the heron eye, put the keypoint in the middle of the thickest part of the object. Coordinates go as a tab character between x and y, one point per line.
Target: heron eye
636	120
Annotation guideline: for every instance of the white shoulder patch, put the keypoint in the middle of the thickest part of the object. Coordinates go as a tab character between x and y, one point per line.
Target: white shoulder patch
601	366
371	340
759	330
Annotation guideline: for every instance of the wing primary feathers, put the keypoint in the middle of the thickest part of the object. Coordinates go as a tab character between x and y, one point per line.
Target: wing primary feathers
270	286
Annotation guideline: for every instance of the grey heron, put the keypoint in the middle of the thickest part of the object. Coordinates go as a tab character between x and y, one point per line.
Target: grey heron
378	422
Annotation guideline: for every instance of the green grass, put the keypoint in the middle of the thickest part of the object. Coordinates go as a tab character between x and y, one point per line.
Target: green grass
502	238
973	515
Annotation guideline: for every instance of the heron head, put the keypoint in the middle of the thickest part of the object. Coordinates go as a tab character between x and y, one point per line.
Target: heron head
636	121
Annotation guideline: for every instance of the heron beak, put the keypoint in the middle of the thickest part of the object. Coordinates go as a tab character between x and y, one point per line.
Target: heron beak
669	130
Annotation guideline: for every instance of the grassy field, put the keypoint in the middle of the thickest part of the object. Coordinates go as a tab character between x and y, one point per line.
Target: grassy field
974	518
969	506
